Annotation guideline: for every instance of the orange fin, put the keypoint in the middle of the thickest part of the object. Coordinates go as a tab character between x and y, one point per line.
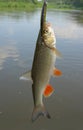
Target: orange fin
57	72
48	91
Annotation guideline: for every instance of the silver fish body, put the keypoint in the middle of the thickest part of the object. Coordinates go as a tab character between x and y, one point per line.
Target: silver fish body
42	69
43	65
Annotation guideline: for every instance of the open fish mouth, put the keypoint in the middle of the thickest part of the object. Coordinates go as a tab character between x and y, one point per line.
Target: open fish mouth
43	16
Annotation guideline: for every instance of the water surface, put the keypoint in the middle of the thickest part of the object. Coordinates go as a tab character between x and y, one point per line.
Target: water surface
18	34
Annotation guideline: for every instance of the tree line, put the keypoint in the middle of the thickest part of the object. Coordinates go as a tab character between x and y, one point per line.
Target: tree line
76	3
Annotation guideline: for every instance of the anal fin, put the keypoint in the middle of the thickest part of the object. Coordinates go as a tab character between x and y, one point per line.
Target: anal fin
48	90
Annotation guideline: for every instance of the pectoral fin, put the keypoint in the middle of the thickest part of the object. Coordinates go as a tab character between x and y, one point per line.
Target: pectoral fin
54	50
48	90
57	72
26	76
57	52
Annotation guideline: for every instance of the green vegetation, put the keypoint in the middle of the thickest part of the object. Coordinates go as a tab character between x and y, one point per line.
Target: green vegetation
77	4
33	4
15	5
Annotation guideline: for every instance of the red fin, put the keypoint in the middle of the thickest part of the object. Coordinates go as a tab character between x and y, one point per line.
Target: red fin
57	72
48	91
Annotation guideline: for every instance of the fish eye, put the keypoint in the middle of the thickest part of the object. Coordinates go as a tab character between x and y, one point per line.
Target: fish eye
45	31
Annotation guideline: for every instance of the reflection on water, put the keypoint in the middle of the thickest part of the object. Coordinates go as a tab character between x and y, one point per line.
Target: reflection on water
79	17
18	34
8	51
64	27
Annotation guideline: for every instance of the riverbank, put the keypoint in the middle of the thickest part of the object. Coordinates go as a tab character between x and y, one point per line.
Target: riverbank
17	5
30	6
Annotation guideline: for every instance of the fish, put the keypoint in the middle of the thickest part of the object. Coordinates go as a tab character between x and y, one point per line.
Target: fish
43	66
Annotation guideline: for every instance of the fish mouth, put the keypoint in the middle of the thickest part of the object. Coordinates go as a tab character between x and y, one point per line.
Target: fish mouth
43	16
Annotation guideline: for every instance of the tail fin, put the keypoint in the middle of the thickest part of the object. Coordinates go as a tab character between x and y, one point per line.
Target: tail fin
39	111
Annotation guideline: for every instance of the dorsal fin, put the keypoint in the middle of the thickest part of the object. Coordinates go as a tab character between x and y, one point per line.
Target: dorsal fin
26	76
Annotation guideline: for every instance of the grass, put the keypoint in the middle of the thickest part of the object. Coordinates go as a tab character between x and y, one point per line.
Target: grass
30	6
58	6
17	5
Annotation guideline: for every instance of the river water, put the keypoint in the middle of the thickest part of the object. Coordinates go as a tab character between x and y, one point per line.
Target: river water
18	35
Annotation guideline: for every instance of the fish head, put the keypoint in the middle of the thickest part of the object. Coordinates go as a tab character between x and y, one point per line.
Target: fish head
47	32
48	35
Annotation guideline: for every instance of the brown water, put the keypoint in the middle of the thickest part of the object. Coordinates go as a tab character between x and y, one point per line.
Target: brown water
18	34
